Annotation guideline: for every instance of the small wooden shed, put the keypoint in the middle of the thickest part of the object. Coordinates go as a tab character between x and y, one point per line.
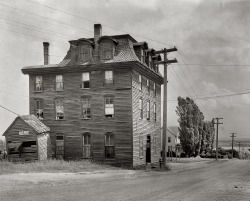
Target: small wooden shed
27	139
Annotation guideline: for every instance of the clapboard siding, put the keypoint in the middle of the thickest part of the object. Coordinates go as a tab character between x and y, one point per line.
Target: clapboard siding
143	126
73	126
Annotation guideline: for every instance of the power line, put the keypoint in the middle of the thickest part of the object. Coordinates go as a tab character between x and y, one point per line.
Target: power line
44	17
222	65
9	110
98	22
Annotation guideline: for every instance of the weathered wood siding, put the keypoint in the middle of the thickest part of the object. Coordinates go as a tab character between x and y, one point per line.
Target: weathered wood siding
73	126
43	141
12	136
143	126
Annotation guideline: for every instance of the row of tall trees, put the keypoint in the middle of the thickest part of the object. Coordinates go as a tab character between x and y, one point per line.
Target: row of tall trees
196	134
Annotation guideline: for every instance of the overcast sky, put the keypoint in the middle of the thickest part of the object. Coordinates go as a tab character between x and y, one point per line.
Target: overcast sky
212	38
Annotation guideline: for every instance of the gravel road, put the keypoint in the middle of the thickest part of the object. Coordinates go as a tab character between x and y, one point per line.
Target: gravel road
221	181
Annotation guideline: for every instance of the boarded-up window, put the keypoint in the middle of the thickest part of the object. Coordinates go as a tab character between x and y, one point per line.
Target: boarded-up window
141	108
59	109
109	106
59	146
148	110
39	109
84	53
141	145
59	83
140	82
39	83
109	145
86	109
85	80
107	51
109	78
148	88
24	133
155	111
86	145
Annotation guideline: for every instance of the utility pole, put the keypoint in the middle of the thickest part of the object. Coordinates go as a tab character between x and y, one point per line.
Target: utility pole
217	123
233	136
164	130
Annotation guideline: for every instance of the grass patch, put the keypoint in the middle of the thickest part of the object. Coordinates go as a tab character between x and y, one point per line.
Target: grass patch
52	166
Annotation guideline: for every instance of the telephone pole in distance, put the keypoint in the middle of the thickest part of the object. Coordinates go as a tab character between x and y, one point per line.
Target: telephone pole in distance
217	130
233	136
166	62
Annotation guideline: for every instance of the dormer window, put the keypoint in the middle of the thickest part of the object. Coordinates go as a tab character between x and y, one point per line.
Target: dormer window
142	56
84	53
107	51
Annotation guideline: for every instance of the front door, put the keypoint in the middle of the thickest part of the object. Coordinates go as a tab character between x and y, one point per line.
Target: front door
148	149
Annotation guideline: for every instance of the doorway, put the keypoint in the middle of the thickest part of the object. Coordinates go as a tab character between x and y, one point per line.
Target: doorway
148	149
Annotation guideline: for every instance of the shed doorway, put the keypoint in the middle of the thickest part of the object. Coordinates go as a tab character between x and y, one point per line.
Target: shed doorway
148	149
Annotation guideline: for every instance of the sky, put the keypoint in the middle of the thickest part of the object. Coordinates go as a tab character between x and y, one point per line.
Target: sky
212	38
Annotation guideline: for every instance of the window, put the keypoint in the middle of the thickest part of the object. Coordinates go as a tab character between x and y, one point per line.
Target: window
155	111
149	61
154	89
39	109
141	145
148	110
142	56
109	106
86	145
157	68
85	80
86	110
59	83
155	142
84	53
140	82
39	83
59	109
109	145
148	88
108	77
141	108
59	146
107	51
169	139
24	133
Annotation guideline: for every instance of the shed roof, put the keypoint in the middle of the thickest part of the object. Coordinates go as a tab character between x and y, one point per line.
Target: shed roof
33	122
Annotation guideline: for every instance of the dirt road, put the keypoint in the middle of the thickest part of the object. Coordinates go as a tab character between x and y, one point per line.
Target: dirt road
223	180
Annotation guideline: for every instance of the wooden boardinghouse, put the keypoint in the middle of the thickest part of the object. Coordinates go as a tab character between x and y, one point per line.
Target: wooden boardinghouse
102	101
27	139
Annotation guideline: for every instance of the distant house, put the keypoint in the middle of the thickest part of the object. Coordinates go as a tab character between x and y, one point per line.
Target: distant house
172	138
102	101
27	139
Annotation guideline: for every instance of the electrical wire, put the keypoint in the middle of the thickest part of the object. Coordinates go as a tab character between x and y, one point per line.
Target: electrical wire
9	110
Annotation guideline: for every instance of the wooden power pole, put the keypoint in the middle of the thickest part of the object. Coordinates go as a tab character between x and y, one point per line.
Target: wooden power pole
217	130
164	130
233	136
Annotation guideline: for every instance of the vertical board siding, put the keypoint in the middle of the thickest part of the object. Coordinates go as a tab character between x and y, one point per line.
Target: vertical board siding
73	126
144	126
43	146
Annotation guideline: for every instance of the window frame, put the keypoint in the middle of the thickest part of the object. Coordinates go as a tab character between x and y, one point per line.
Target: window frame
154	88
148	109
87	108
37	83
105	98
154	109
83	82
62	84
84	53
140	82
148	85
155	144
62	151
108	81
109	145
61	105
141	108
41	108
143	55
107	48
169	139
87	146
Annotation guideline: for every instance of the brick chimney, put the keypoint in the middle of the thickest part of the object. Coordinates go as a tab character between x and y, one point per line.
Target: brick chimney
46	52
97	32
